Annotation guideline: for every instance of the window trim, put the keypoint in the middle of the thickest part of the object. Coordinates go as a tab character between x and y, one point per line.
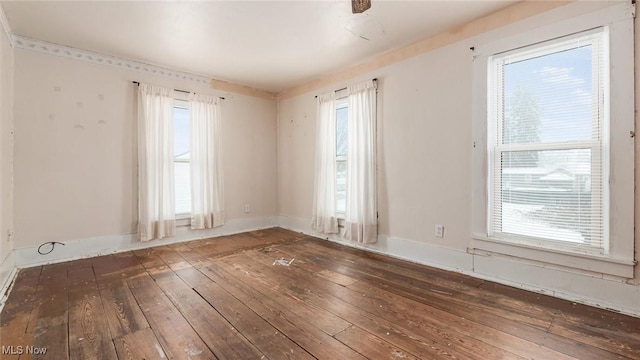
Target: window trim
619	261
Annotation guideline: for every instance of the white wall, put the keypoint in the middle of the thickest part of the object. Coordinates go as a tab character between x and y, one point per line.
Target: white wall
6	155
76	155
424	170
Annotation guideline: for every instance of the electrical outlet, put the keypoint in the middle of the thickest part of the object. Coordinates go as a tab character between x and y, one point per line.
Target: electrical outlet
439	231
247	208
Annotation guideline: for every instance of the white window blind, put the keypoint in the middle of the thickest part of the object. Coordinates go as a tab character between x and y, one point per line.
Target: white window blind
547	131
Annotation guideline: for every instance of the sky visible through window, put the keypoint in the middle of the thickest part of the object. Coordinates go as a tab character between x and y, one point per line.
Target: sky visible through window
560	85
181	131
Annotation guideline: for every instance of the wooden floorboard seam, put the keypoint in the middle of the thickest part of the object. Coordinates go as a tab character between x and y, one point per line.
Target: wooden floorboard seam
166	350
243	292
152	330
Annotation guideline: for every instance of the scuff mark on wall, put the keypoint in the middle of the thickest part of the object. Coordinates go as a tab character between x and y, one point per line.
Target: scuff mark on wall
78	126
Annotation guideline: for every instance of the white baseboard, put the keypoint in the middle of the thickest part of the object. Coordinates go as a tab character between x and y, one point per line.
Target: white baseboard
90	247
606	293
8	272
589	289
405	249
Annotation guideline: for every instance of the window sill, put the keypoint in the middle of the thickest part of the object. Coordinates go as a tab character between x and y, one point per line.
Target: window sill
601	264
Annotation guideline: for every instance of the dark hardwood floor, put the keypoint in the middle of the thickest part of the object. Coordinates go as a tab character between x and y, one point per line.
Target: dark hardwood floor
276	294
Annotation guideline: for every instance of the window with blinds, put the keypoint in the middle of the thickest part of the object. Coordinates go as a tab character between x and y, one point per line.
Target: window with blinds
342	108
547	131
181	157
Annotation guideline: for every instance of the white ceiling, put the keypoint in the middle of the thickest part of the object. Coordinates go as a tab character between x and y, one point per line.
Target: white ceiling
268	45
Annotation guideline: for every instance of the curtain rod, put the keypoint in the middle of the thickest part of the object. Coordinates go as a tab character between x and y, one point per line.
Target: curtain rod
178	90
344	88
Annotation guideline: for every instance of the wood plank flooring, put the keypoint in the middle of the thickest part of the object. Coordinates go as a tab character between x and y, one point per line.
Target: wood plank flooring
276	294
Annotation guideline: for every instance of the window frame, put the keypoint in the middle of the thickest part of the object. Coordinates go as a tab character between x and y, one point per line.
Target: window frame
618	261
181	103
496	148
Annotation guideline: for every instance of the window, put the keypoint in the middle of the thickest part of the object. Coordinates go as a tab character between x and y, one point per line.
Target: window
345	167
546	121
180	175
181	160
553	147
341	155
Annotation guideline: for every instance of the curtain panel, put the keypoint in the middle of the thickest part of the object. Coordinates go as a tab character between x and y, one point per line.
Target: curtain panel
156	209
207	201
361	223
324	217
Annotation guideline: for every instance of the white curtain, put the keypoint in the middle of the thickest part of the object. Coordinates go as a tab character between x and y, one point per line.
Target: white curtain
361	223
324	218
207	202
156	210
